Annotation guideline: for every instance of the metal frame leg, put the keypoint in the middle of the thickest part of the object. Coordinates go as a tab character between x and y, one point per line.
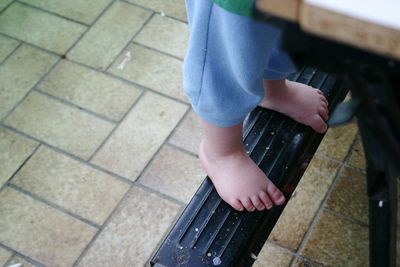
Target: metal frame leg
379	131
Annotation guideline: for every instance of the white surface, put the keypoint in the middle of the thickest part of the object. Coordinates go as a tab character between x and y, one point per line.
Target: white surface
382	12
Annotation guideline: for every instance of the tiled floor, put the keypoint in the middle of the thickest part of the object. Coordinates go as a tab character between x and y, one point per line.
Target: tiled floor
98	144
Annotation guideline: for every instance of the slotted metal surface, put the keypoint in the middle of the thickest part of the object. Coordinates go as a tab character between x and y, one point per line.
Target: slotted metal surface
211	233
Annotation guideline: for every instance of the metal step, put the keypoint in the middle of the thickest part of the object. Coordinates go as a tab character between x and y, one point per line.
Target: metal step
209	232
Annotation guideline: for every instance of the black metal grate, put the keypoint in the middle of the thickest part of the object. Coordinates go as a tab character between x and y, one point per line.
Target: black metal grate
209	232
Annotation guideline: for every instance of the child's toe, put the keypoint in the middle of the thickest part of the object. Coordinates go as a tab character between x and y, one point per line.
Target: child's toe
275	194
247	204
318	124
257	203
324	113
266	200
235	203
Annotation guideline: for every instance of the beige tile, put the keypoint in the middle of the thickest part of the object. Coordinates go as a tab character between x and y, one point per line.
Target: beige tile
338	141
133	232
173	8
90	89
140	135
4	256
60	125
39	28
14	150
357	157
338	242
82	11
165	34
273	256
4	4
7	45
71	184
41	232
174	173
349	196
109	35
20	73
18	260
151	69
188	134
302	207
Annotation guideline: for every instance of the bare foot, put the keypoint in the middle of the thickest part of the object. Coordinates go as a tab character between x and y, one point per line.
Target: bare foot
301	102
237	179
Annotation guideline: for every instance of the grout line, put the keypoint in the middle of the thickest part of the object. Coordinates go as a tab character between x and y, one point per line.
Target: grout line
51	13
22	165
160	194
53	205
346	217
121	178
158	51
18	254
89	28
155	11
30	90
7	262
116	126
187	152
75	106
6	7
320	210
129	42
11	53
160	147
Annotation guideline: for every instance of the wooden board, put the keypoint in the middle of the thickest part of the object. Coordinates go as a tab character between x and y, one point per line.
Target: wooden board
367	24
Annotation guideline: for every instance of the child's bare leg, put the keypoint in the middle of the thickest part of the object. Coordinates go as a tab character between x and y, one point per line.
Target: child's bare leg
237	179
298	101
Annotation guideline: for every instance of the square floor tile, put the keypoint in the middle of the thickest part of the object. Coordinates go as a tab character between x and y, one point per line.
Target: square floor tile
4	256
349	196
140	135
338	242
90	89
151	69
60	125
7	45
173	8
357	157
19	73
14	150
166	35
40	28
273	256
174	173
188	134
71	184
78	10
303	205
338	141
40	232
109	35
133	232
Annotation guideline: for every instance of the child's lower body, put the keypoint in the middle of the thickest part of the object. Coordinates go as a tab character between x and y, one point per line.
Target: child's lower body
232	65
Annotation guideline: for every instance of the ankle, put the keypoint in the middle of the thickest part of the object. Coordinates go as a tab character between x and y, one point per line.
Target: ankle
214	152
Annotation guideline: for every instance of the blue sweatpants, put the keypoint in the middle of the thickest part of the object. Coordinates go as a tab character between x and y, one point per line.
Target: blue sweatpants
228	58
